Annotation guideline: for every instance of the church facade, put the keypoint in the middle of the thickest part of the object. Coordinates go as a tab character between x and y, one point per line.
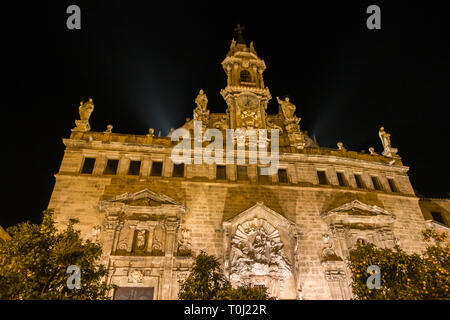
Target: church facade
290	231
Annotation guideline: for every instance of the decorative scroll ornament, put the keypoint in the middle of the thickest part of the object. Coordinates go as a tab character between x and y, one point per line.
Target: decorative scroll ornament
135	276
257	250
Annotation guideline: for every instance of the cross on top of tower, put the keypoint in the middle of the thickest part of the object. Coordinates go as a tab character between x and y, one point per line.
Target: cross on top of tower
240	37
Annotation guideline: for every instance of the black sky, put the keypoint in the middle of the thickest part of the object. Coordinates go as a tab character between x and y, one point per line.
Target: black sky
143	62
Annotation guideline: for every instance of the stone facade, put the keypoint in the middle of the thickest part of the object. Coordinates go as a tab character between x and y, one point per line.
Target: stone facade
290	232
436	213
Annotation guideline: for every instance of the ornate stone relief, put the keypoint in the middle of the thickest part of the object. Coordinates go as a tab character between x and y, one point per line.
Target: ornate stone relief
141	222
135	276
257	250
256	254
352	222
184	245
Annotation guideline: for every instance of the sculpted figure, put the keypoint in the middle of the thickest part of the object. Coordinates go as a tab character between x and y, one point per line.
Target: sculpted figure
201	101
151	132
140	239
287	107
385	138
86	109
386	141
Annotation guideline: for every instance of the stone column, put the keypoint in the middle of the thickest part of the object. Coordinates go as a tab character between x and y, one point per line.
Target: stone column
151	232
145	167
171	226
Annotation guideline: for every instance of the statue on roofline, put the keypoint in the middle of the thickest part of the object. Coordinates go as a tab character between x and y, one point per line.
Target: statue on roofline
287	107
85	109
386	141
201	100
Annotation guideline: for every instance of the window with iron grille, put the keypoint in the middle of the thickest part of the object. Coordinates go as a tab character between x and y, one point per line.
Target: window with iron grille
245	76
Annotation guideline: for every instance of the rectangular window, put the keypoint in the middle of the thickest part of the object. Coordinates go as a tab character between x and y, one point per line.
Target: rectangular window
359	181
322	177
392	185
221	172
282	176
437	216
156	169
135	168
134	293
263	178
111	166
88	165
341	179
242	173
376	183
178	170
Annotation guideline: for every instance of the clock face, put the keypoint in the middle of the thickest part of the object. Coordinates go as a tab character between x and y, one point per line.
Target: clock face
247	101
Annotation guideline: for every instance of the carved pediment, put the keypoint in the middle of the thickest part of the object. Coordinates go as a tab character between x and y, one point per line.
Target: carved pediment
260	210
141	204
144	197
357	213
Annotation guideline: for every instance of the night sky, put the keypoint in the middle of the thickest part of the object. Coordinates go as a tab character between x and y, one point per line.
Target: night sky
143	63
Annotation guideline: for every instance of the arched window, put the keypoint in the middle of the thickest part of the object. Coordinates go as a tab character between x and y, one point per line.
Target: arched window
245	76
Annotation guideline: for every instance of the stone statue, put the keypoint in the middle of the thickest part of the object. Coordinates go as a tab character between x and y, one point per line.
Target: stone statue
386	141
372	151
151	132
257	250
86	109
184	243
385	138
140	239
201	101
200	112
109	128
341	146
287	107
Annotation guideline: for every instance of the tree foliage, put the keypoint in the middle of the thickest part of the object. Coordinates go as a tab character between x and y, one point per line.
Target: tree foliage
403	276
207	282
33	263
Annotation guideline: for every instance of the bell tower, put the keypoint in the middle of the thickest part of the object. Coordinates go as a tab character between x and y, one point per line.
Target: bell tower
245	93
